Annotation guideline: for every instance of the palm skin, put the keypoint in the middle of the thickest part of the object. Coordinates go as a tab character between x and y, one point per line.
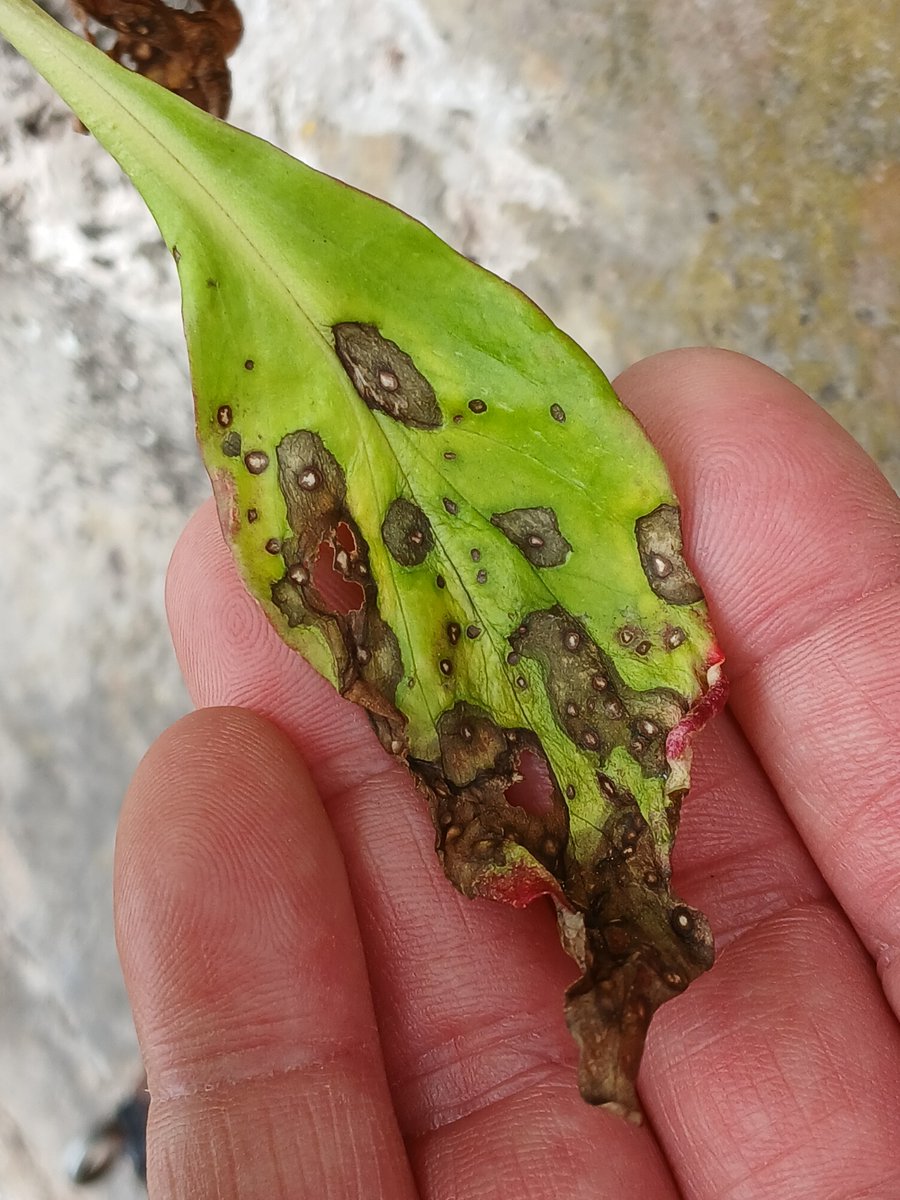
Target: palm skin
321	1015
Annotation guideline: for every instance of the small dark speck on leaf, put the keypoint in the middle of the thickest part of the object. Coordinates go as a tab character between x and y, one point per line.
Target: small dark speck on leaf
249	364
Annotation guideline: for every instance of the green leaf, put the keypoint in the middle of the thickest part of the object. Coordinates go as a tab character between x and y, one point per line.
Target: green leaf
438	500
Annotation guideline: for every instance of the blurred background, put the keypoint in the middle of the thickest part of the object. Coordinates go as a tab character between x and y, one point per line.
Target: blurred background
654	174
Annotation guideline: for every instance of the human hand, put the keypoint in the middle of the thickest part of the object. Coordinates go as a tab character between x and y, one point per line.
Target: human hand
321	1015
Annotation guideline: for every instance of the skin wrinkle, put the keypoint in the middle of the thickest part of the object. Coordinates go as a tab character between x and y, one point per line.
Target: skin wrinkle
865	803
320	1058
318	1120
526	1082
448	1163
797	637
443	1074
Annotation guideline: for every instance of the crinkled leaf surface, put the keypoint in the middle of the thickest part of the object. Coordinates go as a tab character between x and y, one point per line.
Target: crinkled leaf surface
438	501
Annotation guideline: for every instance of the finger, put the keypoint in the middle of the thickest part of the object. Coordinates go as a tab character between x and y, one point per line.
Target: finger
797	537
469	994
757	1083
758	1050
243	962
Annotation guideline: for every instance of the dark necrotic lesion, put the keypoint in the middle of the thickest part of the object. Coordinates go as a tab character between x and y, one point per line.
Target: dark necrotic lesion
535	531
385	376
661	552
407	533
311	481
590	700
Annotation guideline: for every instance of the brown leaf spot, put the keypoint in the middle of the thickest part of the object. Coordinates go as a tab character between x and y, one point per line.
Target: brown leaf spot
557	412
661	553
224	415
407	533
536	533
575	670
471	744
311	511
256	461
673	637
231	444
385	376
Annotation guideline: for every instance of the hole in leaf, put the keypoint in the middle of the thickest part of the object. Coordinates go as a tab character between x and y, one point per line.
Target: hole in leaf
534	791
341	595
344	537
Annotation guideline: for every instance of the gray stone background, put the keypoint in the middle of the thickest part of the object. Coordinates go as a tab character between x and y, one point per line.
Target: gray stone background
654	173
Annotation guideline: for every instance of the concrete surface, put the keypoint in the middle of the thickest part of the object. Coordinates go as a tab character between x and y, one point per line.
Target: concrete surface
654	174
